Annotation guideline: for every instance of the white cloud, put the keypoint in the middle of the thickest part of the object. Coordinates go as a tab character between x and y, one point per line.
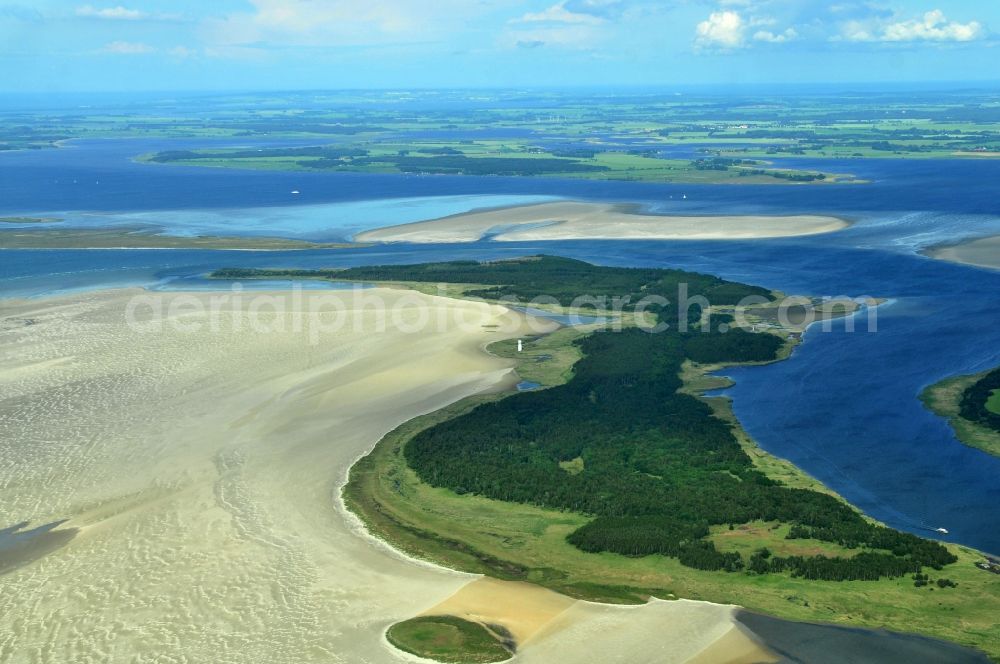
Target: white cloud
127	48
182	52
602	8
934	27
857	31
721	30
776	37
114	13
575	36
559	14
338	23
120	13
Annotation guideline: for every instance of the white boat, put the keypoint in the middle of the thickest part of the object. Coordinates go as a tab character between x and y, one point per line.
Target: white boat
295	191
941	530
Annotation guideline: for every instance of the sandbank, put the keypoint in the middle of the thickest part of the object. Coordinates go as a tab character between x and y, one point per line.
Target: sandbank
976	153
198	467
199	472
572	220
984	252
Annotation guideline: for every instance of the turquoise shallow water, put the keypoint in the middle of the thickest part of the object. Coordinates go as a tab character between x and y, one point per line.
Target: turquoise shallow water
318	221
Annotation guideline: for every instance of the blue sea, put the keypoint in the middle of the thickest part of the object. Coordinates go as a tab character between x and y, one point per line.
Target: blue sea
844	408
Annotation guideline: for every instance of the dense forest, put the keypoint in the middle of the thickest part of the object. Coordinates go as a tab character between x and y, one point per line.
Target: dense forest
563	280
973	404
658	468
443	161
653	466
449	164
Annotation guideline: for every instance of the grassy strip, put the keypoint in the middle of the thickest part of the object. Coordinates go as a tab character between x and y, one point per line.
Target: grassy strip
943	399
447	639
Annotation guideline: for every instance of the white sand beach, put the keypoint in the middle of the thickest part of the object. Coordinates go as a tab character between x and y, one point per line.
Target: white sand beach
201	469
571	220
984	252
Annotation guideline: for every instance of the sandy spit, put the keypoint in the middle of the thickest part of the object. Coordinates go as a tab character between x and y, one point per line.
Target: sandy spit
570	220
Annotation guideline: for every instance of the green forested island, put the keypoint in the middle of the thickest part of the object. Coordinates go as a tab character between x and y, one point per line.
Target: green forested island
493	157
618	481
656	469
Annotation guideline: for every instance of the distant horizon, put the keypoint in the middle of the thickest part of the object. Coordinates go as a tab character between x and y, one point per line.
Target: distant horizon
165	45
831	87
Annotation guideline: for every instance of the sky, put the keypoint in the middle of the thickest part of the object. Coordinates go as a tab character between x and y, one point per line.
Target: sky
139	45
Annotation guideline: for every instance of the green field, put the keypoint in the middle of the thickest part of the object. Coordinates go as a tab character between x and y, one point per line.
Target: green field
447	639
993	403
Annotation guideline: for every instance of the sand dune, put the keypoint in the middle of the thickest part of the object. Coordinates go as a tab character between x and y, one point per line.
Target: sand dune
664	632
523	608
199	473
984	252
596	221
549	627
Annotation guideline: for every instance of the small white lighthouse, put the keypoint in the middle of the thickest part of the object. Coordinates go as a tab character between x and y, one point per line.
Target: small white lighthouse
520	346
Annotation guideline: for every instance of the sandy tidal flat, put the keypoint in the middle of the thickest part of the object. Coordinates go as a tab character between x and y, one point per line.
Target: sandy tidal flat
984	252
596	221
201	471
198	470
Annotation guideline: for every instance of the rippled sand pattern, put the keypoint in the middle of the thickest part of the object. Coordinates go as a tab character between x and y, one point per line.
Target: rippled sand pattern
202	472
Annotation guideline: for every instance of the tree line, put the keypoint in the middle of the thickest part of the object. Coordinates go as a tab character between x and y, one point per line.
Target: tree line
972	405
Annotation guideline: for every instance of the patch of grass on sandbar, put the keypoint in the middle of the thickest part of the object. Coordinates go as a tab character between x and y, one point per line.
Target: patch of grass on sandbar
447	639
